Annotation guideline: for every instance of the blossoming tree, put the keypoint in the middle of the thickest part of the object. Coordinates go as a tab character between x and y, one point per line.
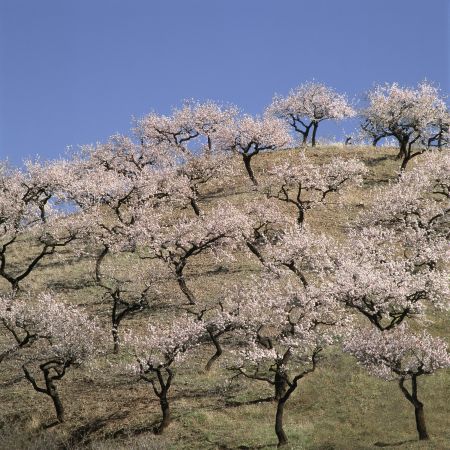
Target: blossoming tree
418	201
375	279
308	105
249	136
283	330
306	185
178	241
407	114
29	220
401	355
163	346
52	337
194	122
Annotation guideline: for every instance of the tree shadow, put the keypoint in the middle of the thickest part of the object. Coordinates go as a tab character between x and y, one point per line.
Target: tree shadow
51	425
393	444
81	435
371	162
73	285
232	404
239	447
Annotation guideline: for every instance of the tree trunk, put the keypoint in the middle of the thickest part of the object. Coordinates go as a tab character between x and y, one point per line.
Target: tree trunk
209	151
314	132
403	148
300	216
98	263
418	406
280	386
439	141
115	324
183	286
58	406
405	161
420	421
248	167
281	435
116	339
165	409
406	155
255	251
305	137
14	288
195	206
53	393
217	354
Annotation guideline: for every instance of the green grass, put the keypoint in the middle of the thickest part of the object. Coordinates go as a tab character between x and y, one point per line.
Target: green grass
337	407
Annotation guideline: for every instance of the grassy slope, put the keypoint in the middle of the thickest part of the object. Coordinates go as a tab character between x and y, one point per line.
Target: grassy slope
337	407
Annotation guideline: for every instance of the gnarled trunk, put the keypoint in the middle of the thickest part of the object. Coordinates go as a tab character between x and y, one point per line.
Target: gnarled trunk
305	137
403	150
420	421
405	161
115	322
217	354
248	167
300	216
281	435
254	249
280	386
165	409
52	392
182	284
418	406
116	338
195	206
314	132
59	408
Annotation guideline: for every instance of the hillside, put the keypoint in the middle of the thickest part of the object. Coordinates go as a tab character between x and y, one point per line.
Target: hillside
339	406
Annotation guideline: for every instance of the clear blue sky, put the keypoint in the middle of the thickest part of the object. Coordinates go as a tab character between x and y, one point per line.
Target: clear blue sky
75	72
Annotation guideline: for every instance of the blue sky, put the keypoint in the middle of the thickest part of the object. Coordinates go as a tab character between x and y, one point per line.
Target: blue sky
75	72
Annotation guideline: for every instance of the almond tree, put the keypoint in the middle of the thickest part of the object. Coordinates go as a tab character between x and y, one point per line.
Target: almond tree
176	240
283	330
20	331
306	185
308	105
163	346
394	269
120	177
208	118
201	169
374	278
306	254
407	114
414	211
63	337
123	155
401	355
266	225
419	200
129	286
194	122
30	217
249	136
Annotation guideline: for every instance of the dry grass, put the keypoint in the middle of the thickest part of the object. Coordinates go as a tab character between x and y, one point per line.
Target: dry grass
337	407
